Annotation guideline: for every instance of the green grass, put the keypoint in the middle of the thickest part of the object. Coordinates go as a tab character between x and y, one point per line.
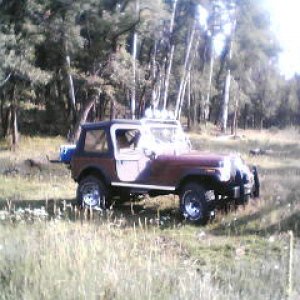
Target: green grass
41	187
143	250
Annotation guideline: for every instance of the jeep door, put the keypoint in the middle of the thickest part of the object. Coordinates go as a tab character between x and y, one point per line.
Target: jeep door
132	165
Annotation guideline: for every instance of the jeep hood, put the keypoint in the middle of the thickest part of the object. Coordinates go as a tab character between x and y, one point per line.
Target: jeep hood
195	157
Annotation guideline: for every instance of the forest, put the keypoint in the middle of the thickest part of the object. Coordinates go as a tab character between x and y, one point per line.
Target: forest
65	62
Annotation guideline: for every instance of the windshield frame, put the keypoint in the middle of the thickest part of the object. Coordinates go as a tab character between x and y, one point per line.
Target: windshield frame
180	143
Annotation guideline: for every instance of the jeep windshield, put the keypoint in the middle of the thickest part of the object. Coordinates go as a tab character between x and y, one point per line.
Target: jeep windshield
164	137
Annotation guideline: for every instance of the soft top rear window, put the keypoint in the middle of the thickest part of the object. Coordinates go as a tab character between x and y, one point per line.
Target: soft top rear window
96	141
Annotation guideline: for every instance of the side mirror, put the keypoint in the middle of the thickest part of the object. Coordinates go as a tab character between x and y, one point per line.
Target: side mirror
188	141
150	153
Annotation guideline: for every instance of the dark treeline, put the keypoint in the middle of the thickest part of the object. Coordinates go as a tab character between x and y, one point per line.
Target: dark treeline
64	62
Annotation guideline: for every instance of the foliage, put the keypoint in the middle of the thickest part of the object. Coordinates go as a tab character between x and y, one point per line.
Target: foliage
73	61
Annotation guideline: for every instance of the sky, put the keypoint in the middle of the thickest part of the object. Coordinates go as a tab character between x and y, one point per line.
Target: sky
285	23
285	20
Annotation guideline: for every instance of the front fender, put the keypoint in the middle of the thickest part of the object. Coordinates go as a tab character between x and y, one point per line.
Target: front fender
205	177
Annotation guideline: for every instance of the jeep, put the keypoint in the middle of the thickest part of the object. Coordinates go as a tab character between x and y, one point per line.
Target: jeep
122	158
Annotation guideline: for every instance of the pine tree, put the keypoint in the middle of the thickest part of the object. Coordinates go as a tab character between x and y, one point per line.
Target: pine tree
21	33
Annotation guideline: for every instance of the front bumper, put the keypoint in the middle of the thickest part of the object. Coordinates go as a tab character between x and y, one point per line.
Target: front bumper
241	189
237	192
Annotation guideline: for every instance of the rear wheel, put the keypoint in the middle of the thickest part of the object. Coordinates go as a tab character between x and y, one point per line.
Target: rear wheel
193	203
92	193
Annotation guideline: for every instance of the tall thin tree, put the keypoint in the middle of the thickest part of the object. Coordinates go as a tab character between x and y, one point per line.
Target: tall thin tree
185	69
134	55
170	57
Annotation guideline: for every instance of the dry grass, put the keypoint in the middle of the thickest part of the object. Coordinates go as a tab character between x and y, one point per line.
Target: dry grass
21	181
143	250
92	261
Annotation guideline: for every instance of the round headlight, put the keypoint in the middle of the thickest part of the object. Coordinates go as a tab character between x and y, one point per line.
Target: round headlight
225	170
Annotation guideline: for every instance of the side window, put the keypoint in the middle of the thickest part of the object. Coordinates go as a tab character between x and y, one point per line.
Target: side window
127	139
95	141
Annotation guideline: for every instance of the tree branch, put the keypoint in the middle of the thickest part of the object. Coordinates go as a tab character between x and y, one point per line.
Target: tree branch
131	27
5	80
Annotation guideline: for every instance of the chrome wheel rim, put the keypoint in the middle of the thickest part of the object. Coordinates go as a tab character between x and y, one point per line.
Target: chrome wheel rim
192	205
90	194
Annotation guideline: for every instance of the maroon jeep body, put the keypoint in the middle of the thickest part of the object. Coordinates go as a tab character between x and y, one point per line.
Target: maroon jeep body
125	157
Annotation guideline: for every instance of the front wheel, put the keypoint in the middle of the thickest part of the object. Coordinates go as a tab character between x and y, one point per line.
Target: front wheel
92	193
193	203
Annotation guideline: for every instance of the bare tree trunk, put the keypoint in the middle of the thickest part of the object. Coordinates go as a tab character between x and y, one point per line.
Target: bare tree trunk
83	115
261	123
141	109
112	108
189	68
189	116
196	111
245	116
2	114
5	80
134	53
236	108
5	116
224	117
226	96
71	84
182	97
154	78
170	56
7	123
133	90
15	131
72	114
211	68
14	120
167	78
214	21
159	85
185	69
173	17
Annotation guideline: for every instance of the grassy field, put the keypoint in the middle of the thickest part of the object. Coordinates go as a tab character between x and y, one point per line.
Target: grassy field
143	250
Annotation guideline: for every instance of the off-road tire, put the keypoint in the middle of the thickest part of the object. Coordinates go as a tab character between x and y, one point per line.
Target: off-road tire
92	193
193	203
